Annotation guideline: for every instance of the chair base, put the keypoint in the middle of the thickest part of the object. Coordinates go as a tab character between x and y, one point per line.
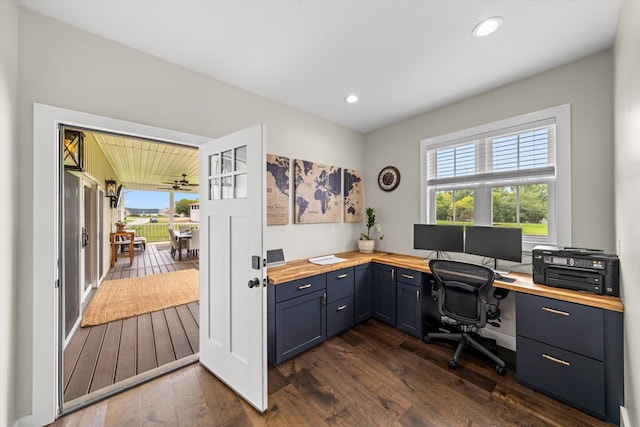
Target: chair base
464	339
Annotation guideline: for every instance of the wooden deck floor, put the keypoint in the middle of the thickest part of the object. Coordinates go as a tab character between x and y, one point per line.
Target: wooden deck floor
102	355
371	375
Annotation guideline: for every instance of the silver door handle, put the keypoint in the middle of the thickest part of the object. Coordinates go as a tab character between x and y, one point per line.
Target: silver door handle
342	276
417	296
342	307
406	276
393	271
307	286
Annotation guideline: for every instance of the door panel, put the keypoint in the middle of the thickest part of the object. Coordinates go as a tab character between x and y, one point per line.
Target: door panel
233	342
71	279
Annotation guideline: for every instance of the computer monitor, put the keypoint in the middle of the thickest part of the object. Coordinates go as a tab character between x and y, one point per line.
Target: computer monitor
439	238
494	242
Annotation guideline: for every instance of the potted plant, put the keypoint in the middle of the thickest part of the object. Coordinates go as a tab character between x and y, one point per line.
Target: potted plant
120	225
367	244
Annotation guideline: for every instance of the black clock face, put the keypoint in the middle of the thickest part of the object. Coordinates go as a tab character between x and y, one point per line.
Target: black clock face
389	178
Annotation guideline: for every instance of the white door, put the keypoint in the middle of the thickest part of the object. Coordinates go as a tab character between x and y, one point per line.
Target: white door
233	332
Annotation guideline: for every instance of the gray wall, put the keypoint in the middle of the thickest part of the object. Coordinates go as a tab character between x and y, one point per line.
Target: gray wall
66	67
627	196
8	213
587	85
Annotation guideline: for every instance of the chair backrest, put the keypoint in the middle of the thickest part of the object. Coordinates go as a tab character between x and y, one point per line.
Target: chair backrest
462	290
172	238
194	242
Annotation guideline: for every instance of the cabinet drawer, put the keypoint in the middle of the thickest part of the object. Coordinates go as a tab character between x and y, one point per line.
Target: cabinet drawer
566	325
575	379
339	316
299	287
340	284
410	277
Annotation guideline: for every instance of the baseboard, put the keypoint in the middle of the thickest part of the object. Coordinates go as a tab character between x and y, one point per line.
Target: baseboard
624	418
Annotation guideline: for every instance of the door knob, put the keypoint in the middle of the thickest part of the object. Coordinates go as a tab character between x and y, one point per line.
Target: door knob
254	282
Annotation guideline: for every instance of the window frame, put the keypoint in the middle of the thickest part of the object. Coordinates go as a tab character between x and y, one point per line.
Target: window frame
559	197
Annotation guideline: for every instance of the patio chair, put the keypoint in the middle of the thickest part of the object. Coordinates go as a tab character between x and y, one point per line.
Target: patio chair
193	244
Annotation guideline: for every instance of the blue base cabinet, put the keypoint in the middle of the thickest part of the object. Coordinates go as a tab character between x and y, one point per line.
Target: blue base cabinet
363	293
384	293
571	352
340	304
410	302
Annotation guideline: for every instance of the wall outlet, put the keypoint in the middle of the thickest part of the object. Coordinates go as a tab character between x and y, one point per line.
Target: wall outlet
332	229
378	228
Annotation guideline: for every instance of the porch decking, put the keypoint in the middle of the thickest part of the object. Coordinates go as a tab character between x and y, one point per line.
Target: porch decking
102	355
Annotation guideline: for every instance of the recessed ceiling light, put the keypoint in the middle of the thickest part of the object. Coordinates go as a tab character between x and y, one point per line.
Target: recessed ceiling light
351	98
487	26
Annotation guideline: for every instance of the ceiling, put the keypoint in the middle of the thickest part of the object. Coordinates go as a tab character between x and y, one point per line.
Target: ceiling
141	164
401	57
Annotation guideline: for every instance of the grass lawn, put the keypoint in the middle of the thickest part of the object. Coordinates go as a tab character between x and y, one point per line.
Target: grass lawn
527	229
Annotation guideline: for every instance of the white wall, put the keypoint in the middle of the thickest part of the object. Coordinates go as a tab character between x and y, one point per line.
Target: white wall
8	212
66	67
627	196
586	84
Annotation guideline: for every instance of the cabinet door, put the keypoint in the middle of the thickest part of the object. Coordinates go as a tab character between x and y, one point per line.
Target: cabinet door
300	324
409	309
384	293
363	293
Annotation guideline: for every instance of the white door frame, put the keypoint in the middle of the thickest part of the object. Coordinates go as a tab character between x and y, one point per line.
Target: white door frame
47	340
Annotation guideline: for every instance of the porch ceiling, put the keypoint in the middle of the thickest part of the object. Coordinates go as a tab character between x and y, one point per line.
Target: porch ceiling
142	164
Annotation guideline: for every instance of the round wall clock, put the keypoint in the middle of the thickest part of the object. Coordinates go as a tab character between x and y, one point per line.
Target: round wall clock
389	178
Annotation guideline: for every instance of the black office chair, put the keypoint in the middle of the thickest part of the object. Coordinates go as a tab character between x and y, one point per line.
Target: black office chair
462	289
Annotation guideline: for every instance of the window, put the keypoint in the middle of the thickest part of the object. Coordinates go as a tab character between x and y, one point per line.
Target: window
511	173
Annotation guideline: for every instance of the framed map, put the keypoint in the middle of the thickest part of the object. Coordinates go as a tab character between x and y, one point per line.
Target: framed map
353	190
278	168
318	192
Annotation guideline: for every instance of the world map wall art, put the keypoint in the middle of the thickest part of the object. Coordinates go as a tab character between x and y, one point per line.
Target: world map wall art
353	190
318	192
278	168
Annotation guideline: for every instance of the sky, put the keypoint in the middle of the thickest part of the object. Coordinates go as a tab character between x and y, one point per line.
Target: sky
153	199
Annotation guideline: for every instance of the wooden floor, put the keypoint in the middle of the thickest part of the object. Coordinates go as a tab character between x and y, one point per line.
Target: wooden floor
371	375
102	355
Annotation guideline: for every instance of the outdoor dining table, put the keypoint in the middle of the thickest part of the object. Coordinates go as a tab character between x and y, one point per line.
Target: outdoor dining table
180	236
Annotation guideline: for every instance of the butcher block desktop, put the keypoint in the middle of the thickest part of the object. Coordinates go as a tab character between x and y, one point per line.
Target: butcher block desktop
302	268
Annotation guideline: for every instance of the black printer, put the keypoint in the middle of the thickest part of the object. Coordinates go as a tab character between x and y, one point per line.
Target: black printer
589	270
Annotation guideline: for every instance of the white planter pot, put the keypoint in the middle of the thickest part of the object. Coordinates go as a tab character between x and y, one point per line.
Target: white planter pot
366	246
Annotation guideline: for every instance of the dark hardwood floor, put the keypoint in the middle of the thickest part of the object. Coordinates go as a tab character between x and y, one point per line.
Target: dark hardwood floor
99	356
371	375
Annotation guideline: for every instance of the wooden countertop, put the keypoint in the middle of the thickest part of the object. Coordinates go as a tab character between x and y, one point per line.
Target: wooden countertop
302	268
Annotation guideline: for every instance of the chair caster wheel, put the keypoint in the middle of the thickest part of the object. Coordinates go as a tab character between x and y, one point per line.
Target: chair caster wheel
427	339
500	370
452	364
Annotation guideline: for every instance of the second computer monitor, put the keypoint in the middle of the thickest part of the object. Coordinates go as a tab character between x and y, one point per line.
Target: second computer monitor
494	242
440	238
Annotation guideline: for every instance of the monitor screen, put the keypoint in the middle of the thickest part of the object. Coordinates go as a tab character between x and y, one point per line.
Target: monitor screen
446	238
494	242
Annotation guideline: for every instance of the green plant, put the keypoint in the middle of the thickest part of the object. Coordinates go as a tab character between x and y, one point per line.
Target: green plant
371	222
121	222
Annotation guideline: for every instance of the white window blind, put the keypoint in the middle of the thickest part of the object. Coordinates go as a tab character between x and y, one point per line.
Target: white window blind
519	154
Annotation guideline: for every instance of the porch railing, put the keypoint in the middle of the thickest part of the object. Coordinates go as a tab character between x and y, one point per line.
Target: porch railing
158	232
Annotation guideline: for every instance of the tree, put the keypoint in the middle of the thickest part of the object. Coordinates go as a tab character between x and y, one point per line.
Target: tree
182	206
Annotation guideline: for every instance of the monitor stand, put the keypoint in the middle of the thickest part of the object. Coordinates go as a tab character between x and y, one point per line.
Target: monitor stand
439	255
500	274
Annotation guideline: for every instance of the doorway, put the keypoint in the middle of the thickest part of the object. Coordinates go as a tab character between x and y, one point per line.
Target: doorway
101	357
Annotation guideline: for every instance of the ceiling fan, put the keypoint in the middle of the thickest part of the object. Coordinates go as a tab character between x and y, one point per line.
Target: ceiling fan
182	182
175	187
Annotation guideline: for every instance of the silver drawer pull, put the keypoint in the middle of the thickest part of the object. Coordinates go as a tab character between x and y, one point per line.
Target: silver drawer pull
551	310
342	276
407	276
342	307
553	359
307	286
